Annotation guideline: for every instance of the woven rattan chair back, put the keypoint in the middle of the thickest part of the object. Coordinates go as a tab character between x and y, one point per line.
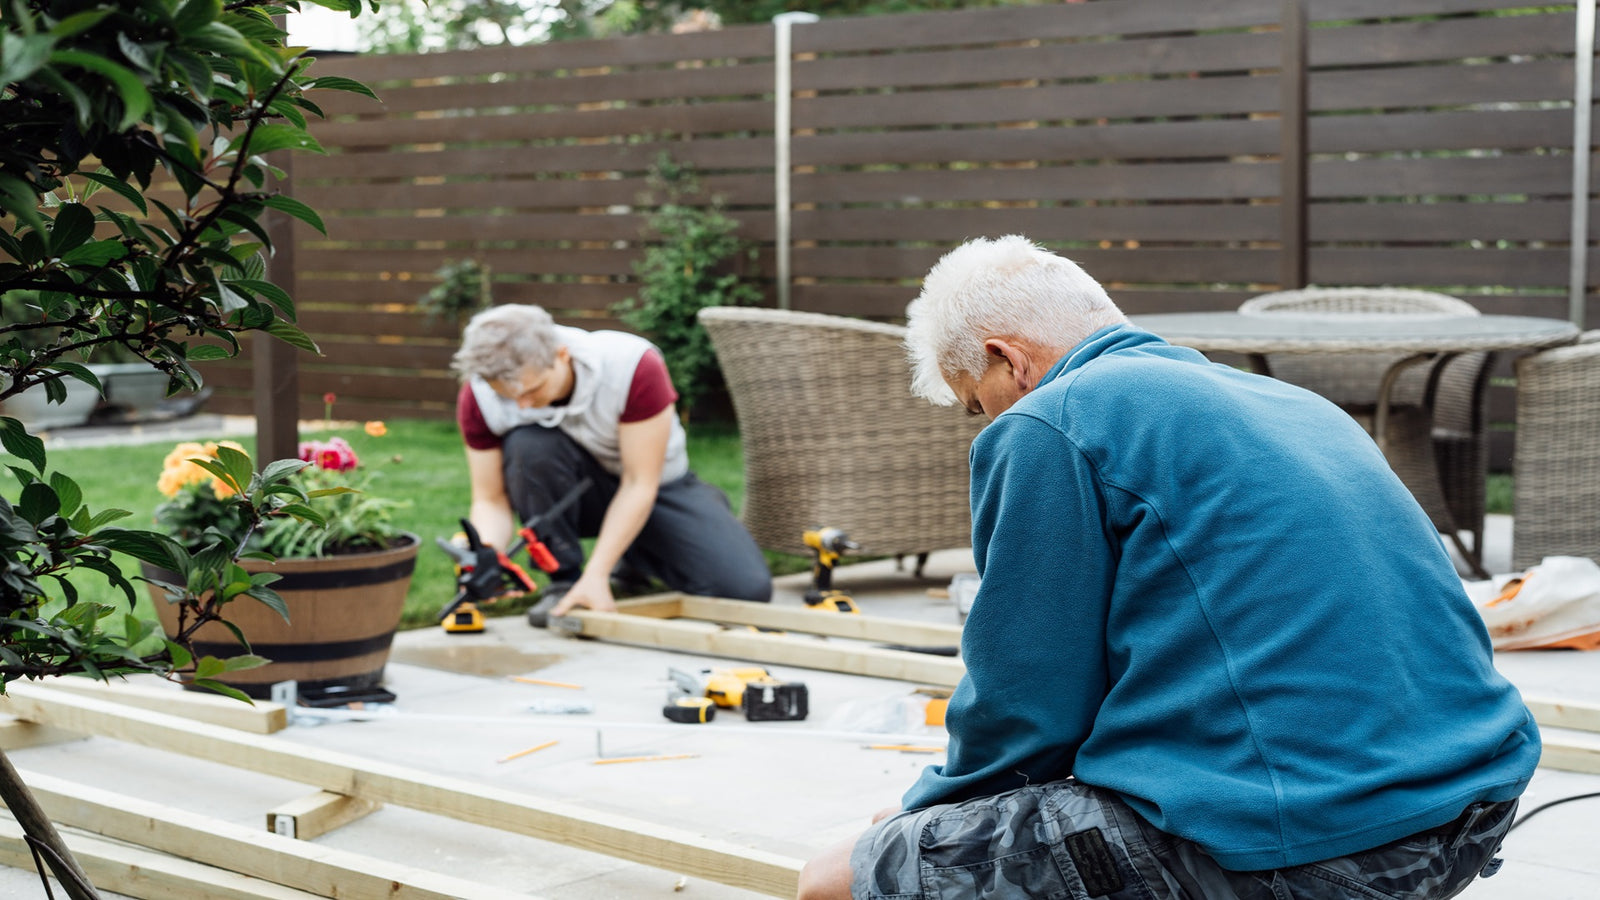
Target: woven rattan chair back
1556	501
832	435
1459	438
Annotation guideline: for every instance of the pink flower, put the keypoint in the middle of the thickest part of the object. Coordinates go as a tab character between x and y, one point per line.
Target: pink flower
335	455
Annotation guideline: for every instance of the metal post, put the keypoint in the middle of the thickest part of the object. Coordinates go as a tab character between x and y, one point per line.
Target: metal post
783	55
1293	151
275	375
1582	100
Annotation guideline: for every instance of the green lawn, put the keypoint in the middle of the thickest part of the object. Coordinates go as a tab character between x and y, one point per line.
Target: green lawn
419	461
422	462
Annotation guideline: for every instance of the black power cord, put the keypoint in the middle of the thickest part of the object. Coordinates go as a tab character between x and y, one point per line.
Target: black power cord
1544	806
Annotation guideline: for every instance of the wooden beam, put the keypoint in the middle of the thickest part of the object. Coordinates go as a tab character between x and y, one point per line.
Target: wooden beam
1564	713
661	606
811	621
259	717
16	734
323	871
146	874
317	814
779	649
571	824
1574	753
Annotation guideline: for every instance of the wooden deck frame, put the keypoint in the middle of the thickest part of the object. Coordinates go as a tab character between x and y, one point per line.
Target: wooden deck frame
138	872
317	814
702	625
1571	753
321	871
560	822
256	717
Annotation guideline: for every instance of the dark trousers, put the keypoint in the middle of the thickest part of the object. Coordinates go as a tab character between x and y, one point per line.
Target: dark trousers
692	541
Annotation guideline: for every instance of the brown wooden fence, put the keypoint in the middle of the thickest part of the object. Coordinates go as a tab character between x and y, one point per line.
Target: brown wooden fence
1189	155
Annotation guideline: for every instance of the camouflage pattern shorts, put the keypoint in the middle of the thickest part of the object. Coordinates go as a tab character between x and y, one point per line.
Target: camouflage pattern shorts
1066	840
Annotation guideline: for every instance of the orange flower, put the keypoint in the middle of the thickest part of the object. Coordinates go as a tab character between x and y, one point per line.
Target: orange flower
377	429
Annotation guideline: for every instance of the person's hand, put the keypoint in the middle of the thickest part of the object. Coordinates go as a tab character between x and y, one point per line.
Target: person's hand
884	813
589	593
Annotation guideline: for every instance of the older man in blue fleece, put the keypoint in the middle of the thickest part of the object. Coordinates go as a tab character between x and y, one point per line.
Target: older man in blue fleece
1219	650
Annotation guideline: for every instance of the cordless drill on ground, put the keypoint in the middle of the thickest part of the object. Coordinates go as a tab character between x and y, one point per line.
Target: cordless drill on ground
696	694
827	545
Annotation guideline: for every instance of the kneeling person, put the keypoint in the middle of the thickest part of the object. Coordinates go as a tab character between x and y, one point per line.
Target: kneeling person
544	406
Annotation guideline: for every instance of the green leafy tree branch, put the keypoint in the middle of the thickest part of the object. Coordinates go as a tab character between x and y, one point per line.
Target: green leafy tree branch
105	109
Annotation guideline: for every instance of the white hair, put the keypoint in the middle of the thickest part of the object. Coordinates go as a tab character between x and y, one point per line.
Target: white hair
1006	287
498	342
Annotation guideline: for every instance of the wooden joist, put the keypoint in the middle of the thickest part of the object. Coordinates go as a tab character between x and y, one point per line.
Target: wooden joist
146	874
317	814
1571	753
624	837
1564	713
256	717
674	623
16	734
322	871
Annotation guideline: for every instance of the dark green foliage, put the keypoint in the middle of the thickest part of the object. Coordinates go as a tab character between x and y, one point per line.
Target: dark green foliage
465	286
99	103
689	266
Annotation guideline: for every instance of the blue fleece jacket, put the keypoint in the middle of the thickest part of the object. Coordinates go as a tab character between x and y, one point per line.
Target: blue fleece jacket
1206	591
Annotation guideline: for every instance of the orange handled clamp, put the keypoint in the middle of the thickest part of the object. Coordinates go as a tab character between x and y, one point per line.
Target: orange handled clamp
537	551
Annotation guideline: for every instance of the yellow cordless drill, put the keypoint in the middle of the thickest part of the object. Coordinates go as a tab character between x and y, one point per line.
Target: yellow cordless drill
752	690
827	545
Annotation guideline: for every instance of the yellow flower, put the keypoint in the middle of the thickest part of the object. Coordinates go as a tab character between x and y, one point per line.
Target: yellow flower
377	429
178	469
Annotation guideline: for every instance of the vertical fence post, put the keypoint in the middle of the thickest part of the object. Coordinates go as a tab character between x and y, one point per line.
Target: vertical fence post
1582	100
783	97
275	375
1293	152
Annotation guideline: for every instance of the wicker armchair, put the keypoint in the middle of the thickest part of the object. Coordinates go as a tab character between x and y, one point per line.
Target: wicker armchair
1459	439
1556	502
833	436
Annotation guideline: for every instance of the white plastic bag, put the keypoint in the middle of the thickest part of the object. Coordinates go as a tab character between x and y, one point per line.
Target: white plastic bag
1554	604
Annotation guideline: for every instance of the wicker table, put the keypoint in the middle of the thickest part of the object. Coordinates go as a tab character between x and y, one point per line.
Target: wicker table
1420	339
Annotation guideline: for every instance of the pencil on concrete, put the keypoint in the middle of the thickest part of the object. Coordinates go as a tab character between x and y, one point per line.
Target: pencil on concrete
625	759
527	751
560	684
904	748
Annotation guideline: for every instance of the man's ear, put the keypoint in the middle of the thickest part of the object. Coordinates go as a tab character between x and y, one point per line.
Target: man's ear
1018	358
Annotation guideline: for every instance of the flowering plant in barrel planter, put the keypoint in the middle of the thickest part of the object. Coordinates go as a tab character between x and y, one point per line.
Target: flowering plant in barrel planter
342	574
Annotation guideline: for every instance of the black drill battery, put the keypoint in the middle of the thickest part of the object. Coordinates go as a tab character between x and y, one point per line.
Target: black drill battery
775	702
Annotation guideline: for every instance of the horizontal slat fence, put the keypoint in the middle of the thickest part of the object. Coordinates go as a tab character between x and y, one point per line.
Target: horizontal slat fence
1440	155
1144	139
532	160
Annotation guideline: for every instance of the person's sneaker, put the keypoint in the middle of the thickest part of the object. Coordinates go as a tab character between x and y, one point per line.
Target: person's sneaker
539	613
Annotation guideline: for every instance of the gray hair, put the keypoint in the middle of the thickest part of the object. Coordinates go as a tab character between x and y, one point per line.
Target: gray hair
1007	287
498	342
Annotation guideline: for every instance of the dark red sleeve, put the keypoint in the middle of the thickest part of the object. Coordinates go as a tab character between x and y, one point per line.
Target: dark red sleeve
651	391
474	430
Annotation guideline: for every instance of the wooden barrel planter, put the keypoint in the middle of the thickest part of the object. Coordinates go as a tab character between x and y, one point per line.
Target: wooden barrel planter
343	612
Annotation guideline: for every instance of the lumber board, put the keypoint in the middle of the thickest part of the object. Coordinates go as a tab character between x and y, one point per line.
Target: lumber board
16	734
323	871
146	874
317	814
1554	713
1571	753
807	652
258	717
624	837
862	627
